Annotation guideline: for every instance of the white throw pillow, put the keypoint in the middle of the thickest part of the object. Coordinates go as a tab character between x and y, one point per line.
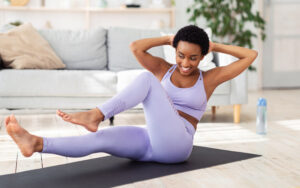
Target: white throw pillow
204	65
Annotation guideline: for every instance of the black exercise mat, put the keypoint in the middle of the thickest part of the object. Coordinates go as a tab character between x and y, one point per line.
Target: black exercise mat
112	171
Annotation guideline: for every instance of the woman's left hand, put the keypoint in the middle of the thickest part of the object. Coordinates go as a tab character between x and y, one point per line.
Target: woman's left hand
211	46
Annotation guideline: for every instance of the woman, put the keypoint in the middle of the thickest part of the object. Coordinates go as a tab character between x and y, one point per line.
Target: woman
174	98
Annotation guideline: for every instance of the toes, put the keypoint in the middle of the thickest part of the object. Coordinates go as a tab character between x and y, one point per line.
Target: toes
13	119
57	112
60	113
66	116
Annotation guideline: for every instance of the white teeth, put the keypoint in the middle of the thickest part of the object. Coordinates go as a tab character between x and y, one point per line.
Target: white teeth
185	69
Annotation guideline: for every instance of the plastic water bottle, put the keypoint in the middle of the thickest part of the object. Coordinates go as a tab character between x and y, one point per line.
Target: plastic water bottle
261	116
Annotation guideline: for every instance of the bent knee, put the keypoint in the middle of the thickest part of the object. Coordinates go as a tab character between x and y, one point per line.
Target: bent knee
147	74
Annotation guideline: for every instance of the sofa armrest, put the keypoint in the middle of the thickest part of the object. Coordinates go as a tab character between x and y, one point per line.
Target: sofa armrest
239	84
239	89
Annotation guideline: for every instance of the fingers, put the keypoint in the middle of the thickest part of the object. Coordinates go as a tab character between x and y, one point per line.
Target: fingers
211	46
172	39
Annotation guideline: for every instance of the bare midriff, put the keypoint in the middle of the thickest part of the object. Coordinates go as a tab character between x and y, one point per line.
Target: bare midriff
189	118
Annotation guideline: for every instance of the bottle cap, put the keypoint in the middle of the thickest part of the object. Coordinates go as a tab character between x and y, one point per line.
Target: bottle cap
262	102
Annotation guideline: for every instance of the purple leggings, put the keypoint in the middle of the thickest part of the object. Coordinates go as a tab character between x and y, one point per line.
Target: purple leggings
167	138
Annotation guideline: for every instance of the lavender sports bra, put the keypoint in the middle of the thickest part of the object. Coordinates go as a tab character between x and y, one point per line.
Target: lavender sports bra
191	100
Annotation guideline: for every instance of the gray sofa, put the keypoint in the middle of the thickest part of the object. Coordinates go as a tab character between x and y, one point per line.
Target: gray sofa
98	65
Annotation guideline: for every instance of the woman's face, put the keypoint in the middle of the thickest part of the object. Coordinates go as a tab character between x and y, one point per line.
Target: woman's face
188	56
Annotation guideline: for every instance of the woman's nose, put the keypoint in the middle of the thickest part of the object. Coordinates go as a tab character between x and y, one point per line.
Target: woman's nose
185	63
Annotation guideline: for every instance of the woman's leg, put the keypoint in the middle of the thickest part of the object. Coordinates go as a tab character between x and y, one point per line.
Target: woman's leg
168	137
122	141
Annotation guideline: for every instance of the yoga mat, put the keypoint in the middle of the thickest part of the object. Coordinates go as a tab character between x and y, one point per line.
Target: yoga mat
112	171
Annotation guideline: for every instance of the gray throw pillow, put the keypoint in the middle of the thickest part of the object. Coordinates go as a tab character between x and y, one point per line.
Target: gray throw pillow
119	53
79	49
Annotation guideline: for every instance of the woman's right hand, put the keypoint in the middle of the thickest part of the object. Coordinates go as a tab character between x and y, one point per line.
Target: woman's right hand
171	38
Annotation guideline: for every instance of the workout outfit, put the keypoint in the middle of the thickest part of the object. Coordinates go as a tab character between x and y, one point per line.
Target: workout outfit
167	138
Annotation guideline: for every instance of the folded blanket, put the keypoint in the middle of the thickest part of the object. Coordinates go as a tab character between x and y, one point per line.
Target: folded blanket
24	48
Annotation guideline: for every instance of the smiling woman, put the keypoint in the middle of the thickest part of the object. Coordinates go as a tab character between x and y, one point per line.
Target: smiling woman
191	44
174	98
188	57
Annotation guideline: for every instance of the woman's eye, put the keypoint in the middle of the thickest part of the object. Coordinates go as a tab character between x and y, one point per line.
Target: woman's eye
193	58
181	56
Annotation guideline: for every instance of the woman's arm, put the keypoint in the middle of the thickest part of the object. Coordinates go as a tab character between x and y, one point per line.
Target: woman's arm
219	75
139	49
147	43
237	51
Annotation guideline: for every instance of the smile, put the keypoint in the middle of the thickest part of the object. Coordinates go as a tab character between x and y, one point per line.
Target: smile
185	69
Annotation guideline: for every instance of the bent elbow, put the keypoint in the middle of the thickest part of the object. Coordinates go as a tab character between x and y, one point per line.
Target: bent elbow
252	55
132	46
255	54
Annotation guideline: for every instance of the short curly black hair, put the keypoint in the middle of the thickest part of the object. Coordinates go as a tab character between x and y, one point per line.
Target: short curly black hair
192	34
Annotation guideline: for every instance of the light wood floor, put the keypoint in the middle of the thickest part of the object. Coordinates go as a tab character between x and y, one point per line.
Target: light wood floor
279	165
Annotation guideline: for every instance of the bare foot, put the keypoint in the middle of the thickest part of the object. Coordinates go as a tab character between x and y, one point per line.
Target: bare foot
27	142
89	119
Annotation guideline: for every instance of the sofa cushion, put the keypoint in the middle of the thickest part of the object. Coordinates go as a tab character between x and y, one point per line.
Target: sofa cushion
58	83
118	41
126	77
79	49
